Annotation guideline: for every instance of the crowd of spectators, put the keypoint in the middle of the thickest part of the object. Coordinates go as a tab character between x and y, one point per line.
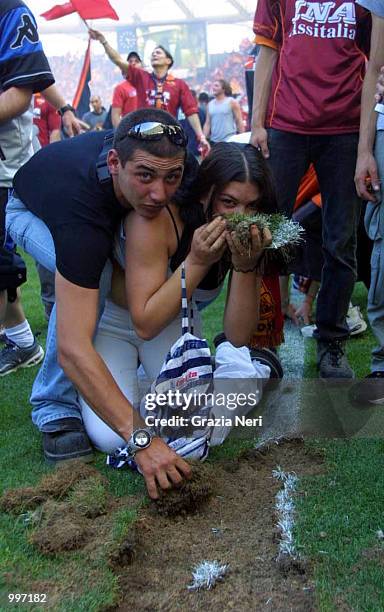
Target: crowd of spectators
67	69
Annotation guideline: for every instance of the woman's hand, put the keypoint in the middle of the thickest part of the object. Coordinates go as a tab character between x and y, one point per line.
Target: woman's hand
208	243
161	466
244	260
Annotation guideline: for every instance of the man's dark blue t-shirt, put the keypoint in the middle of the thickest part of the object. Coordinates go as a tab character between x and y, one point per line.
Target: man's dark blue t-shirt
22	60
59	184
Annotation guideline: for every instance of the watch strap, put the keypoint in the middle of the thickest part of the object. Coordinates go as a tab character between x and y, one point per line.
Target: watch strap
65	108
124	455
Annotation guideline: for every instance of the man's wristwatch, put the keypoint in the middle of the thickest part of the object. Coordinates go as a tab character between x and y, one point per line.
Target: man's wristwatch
139	440
65	108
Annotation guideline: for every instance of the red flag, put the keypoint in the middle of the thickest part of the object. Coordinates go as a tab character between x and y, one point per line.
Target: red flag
94	9
87	9
83	93
59	10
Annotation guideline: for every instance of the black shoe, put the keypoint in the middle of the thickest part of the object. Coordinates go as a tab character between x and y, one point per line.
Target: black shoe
369	390
268	357
66	439
332	361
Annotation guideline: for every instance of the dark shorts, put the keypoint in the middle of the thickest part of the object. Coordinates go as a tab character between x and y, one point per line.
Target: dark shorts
13	272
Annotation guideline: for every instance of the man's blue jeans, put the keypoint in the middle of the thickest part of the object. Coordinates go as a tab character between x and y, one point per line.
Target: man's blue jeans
334	159
374	224
53	395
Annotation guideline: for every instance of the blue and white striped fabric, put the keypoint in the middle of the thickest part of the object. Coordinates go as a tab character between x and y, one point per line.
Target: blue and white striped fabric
188	362
187	369
194	449
184	304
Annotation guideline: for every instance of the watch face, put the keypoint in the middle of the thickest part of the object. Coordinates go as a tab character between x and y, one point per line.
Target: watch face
141	438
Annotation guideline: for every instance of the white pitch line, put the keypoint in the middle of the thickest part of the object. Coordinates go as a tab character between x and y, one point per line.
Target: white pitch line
285	509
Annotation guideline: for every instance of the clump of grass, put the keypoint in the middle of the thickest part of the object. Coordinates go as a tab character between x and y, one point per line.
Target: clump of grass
283	230
286	235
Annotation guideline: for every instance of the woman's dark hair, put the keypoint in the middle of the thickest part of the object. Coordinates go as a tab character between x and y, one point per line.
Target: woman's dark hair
227	161
230	161
126	145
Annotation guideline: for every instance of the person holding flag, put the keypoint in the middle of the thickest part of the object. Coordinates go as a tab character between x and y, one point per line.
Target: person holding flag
160	89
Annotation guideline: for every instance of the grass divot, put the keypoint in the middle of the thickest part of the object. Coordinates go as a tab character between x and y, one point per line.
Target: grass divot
60	529
54	485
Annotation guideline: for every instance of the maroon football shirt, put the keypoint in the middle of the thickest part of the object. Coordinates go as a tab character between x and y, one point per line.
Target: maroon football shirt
317	80
175	92
46	118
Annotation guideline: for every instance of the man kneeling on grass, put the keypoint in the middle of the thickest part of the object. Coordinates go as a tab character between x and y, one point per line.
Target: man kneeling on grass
67	221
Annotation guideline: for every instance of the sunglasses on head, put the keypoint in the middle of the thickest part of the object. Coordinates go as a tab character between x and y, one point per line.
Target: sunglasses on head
152	130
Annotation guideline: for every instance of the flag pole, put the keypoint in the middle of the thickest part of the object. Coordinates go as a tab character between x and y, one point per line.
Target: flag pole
83	20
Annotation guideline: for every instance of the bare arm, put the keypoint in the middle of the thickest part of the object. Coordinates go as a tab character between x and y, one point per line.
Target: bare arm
54	97
153	299
261	90
116	116
196	126
76	323
243	298
207	125
14	102
366	164
237	116
113	55
70	121
242	307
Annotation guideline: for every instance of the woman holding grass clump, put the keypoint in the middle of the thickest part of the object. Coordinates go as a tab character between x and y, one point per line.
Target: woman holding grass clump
142	318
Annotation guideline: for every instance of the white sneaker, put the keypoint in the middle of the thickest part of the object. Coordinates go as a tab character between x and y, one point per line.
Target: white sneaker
356	324
308	330
355	321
